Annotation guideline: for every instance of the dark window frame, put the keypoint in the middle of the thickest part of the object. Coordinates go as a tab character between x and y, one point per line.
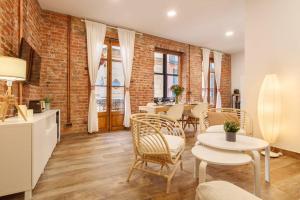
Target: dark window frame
165	73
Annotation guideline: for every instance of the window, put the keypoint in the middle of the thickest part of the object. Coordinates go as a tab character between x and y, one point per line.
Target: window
166	69
110	80
211	88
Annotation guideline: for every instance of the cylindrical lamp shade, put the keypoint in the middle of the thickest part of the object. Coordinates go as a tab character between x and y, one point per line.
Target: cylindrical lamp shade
13	69
269	108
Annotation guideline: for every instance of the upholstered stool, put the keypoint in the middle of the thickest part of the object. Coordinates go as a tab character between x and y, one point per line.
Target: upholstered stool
222	190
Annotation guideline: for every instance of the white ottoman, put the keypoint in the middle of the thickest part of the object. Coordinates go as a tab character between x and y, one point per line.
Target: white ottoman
222	190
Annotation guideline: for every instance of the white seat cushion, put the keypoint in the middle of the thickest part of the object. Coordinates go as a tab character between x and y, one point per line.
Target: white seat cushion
220	129
221	190
176	144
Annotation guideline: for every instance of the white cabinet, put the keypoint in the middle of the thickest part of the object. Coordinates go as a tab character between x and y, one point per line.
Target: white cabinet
25	148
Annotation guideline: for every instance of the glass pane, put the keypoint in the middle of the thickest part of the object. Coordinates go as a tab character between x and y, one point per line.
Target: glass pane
212	96
212	80
117	74
100	89
102	75
117	99
117	81
101	98
173	63
212	67
158	86
104	52
116	53
172	80
158	62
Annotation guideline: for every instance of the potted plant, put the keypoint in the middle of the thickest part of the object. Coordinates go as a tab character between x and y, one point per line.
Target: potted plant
47	103
231	128
177	90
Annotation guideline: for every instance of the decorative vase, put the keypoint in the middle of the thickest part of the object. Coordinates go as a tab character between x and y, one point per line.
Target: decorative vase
176	99
47	106
230	136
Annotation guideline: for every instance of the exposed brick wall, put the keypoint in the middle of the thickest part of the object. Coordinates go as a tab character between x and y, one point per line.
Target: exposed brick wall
225	89
47	32
9	27
32	32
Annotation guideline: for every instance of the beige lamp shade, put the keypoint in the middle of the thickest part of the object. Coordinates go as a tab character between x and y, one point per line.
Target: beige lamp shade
269	108
12	69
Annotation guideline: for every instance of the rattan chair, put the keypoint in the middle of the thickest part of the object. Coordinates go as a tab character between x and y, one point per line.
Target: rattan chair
175	112
241	116
193	115
157	139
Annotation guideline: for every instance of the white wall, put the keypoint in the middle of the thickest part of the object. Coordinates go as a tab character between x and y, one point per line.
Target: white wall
272	45
237	73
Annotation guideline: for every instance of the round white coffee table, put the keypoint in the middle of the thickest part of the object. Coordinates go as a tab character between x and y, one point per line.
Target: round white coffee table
205	155
243	143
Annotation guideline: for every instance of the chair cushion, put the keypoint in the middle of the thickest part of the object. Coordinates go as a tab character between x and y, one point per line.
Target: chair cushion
220	129
176	144
217	118
221	190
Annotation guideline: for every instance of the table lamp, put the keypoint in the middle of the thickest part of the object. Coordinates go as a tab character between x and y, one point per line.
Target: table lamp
11	69
269	110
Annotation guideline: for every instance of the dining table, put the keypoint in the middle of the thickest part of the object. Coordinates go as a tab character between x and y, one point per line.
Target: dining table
155	109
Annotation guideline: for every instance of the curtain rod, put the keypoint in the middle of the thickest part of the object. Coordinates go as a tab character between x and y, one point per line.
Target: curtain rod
110	26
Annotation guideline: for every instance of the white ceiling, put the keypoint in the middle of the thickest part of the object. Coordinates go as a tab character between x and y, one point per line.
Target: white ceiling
198	22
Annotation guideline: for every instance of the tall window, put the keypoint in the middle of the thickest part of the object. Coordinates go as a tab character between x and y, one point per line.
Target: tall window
211	88
166	69
110	79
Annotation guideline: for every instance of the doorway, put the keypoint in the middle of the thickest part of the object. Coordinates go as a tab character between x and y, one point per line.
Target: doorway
110	88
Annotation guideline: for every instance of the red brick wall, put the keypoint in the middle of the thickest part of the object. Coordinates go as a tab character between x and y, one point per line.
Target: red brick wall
9	33
47	33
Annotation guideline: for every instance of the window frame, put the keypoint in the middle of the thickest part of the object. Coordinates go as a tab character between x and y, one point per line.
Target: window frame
211	60
165	73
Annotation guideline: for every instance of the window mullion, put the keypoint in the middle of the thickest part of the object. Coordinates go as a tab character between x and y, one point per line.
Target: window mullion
165	76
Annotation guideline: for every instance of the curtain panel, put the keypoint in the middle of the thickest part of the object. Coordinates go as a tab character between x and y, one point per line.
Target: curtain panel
218	69
95	34
205	67
127	39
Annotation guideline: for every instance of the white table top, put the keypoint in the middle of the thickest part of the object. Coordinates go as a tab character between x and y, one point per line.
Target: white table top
243	143
220	157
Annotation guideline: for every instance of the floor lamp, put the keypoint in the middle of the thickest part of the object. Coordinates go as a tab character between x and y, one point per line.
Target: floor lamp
269	110
11	69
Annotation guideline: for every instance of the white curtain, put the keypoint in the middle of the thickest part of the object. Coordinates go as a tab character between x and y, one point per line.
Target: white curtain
95	34
218	69
205	67
126	39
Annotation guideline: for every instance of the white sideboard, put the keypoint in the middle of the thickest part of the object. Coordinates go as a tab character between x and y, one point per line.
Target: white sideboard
25	148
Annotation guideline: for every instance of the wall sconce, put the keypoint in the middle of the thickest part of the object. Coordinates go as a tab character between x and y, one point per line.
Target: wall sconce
269	110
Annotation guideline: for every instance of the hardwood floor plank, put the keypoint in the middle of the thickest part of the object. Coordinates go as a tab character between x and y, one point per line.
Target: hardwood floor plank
95	167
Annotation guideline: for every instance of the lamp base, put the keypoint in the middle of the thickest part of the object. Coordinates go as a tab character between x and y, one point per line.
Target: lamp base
9	100
273	154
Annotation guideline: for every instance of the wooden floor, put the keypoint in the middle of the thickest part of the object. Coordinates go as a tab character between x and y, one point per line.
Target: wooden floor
96	167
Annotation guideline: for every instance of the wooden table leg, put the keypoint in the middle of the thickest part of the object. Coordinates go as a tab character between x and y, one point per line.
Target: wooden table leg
28	195
256	165
202	172
196	168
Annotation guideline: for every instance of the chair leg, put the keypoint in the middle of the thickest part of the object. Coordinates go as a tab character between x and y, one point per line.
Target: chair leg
168	185
181	163
131	170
